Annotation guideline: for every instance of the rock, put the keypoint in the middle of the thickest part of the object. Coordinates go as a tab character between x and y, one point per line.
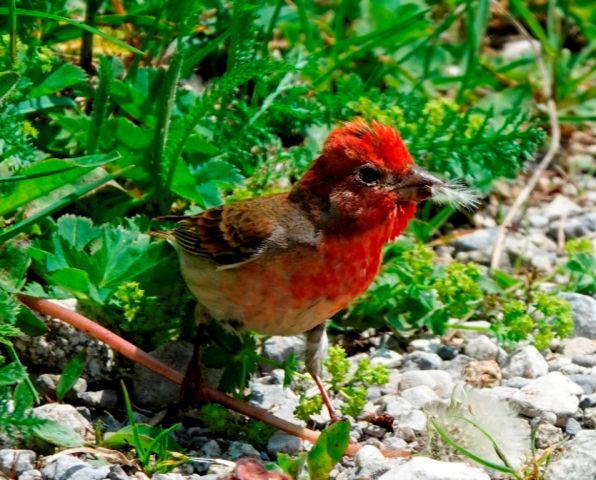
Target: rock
527	362
419	396
583	310
176	476
590	417
578	226
384	356
368	454
478	240
517	49
482	348
280	348
394	443
456	367
579	460
437	380
65	414
151	390
586	381
585	360
547	435
210	449
516	382
446	352
430	345
404	413
552	393
72	468
560	207
282	442
588	401
238	450
33	474
61	343
421	361
15	462
423	468
578	346
482	373
278	400
100	399
572	427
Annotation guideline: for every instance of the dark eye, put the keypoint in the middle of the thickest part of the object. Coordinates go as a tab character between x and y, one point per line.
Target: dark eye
368	175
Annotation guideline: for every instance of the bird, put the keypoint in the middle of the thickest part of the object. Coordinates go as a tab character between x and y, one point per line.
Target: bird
283	264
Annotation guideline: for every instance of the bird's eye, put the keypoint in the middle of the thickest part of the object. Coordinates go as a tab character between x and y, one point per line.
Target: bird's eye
368	175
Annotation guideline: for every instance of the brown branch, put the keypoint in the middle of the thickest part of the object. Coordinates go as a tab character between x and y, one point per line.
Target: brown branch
141	357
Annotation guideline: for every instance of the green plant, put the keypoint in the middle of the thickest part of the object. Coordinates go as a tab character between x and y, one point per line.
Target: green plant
580	266
154	447
351	388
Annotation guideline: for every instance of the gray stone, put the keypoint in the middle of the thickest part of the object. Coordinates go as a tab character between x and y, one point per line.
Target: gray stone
516	382
282	442
456	367
579	460
431	345
368	454
553	392
280	348
578	346
384	356
437	380
238	450
176	476
33	474
586	381
547	435
590	418
275	398
404	413
482	348
100	399
478	240
588	401
527	362
585	360
419	396
394	443
373	470
15	462
72	468
116	473
583	310
572	427
447	353
421	361
151	390
423	468
65	414
210	449
578	226
560	207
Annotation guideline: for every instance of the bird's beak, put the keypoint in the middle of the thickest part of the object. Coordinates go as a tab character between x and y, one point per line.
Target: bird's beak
417	185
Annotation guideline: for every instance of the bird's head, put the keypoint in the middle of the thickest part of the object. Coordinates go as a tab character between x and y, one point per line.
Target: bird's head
365	176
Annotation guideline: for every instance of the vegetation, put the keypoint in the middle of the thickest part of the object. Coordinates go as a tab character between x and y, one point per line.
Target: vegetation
151	108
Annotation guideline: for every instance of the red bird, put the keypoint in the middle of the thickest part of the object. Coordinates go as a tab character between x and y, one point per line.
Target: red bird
283	264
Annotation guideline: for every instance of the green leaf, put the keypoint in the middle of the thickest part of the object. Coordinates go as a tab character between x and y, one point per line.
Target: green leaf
328	450
71	374
14	262
33	105
146	434
58	434
29	324
72	279
292	466
66	75
8	81
46	176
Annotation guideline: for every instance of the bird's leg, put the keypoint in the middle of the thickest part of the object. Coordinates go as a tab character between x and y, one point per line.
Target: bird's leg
316	350
193	383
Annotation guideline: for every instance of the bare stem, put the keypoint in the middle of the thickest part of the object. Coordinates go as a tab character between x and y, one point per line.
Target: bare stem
134	353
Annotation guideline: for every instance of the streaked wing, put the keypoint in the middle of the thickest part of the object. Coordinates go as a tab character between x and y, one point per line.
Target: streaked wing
230	234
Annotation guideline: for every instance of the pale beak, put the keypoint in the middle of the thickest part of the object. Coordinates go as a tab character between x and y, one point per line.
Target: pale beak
417	185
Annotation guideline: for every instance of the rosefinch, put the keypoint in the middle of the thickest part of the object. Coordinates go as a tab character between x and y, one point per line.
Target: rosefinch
283	264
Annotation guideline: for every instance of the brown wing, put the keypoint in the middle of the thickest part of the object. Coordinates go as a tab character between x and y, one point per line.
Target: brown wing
232	233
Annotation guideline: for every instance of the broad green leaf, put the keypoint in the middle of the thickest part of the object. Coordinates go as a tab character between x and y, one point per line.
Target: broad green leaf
293	466
46	176
146	433
32	105
77	231
72	372
66	75
29	324
72	279
58	434
14	262
328	450
8	80
184	184
218	171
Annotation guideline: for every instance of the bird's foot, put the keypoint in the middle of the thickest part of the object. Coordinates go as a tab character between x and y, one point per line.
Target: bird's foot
193	390
333	415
